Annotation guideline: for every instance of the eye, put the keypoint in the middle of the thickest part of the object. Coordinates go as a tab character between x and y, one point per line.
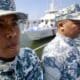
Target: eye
1	24
14	23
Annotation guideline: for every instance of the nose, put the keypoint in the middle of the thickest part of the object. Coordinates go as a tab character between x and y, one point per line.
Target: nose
11	34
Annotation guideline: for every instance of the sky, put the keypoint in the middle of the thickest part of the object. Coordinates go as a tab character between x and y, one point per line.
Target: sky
36	8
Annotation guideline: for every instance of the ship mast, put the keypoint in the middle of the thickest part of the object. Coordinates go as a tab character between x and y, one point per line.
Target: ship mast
52	7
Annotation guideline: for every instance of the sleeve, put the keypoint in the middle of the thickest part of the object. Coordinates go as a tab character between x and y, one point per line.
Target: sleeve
31	65
37	69
51	70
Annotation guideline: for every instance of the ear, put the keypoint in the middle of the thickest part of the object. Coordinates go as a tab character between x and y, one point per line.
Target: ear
61	25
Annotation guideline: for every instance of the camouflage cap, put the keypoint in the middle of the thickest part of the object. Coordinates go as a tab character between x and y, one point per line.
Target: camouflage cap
8	7
72	16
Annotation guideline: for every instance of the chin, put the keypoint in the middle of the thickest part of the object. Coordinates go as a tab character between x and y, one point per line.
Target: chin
76	36
11	53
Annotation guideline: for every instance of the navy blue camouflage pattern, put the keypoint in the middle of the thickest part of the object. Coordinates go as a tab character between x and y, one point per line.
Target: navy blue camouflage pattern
61	59
7	5
26	66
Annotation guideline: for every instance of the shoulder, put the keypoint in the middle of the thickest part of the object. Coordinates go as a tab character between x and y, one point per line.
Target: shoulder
58	47
27	54
28	65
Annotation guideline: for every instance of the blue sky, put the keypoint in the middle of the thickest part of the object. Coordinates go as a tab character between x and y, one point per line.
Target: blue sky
37	8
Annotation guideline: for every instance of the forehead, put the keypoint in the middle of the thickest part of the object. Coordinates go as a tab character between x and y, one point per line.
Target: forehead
69	21
8	17
74	21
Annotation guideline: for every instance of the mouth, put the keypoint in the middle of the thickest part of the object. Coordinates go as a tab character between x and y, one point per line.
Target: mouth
12	45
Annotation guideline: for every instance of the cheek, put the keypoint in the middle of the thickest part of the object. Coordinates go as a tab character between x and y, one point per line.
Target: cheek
17	29
67	29
18	33
2	41
73	28
75	31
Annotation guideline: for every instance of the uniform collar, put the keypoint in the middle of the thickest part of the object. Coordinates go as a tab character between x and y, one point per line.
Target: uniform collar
66	39
5	66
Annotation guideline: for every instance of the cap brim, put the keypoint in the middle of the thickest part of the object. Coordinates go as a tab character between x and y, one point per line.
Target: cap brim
76	19
72	16
20	15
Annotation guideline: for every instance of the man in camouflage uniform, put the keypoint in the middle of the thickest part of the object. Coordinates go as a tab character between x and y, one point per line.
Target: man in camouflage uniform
61	58
15	63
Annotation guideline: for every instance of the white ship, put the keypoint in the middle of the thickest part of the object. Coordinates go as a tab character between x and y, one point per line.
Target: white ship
46	24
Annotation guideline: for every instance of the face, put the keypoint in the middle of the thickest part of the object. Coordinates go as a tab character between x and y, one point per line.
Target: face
70	28
9	36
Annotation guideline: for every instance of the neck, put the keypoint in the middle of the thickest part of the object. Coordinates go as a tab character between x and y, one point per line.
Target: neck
66	35
7	59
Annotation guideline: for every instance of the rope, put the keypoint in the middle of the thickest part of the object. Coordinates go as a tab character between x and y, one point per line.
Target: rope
40	47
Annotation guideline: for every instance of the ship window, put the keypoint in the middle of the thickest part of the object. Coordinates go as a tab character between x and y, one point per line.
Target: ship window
52	20
46	21
42	20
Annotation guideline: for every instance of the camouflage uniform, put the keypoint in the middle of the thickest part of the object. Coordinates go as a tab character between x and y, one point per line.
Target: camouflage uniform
7	5
61	59
26	66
